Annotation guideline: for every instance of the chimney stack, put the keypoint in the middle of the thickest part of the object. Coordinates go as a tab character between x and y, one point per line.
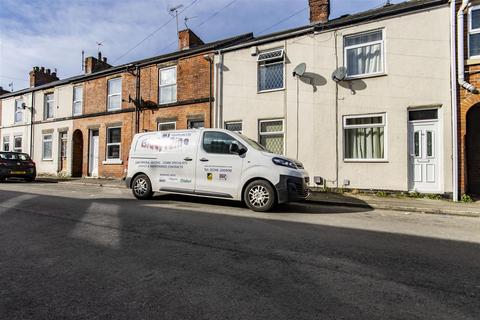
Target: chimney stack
3	91
319	11
39	76
187	39
93	64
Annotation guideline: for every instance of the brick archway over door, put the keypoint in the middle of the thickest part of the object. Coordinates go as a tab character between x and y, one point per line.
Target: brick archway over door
77	157
472	147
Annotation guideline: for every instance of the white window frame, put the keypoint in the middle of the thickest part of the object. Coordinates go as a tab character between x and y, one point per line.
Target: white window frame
233	122
166	122
18	111
259	61
366	44
46	104
373	125
260	133
19	149
160	86
44	140
472	31
76	100
110	95
113	160
6	139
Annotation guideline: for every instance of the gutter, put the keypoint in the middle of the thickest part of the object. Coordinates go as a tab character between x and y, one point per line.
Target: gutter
219	98
454	105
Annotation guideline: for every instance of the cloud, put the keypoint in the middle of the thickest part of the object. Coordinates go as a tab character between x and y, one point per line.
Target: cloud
53	33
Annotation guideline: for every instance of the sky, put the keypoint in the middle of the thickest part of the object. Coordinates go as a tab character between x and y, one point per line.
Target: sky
53	33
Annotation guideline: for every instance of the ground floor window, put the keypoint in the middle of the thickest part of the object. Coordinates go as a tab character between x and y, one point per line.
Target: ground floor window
164	126
17	143
272	134
364	137
234	126
6	143
196	124
113	143
47	146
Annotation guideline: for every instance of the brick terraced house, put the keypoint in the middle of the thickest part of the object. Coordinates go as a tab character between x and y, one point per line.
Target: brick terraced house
83	125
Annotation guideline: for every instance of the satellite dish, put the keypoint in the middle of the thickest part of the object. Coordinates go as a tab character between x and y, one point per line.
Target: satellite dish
340	74
299	70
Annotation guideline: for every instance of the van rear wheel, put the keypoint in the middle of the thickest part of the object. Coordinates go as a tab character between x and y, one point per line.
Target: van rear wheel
142	187
259	196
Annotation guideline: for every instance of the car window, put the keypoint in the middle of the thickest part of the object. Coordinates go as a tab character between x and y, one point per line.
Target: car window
14	156
218	142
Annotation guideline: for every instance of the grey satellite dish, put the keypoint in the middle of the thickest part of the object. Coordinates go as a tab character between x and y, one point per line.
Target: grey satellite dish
340	74
299	70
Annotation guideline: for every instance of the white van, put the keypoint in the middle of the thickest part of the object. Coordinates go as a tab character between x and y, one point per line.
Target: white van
213	163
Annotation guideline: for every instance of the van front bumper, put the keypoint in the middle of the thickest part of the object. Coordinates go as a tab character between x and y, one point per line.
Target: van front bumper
292	188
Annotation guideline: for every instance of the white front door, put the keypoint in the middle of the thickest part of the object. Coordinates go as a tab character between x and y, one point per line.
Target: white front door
424	157
218	170
93	154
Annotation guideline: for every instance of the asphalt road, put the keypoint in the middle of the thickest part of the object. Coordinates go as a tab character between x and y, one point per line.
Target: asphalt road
84	252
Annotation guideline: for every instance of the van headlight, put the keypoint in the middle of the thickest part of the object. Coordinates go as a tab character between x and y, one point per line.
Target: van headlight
284	163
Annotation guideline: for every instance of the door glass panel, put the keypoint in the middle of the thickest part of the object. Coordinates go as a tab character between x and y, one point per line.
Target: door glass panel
429	144
416	143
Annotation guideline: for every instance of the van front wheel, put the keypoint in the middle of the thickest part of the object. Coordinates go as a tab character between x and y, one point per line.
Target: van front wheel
259	196
142	187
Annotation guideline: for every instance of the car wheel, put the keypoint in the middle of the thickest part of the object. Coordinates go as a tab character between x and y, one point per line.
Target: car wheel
142	187
259	196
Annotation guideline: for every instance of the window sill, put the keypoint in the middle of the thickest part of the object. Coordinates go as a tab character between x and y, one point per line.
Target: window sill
116	109
365	76
112	161
47	160
472	61
271	90
365	161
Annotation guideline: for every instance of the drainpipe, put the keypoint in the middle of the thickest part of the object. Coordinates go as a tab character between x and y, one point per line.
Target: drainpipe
137	99
460	49
454	103
219	101
31	124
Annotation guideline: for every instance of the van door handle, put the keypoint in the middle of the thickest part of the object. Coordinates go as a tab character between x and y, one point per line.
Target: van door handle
204	159
188	159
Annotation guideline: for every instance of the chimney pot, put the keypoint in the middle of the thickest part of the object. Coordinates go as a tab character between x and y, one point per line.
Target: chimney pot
48	71
104	59
42	69
99	56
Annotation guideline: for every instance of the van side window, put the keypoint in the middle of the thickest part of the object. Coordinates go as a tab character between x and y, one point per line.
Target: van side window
218	142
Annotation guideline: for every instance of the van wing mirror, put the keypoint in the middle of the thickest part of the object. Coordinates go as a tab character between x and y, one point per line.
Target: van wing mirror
242	151
233	148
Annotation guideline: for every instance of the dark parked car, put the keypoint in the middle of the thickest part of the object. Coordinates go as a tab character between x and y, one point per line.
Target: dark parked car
17	165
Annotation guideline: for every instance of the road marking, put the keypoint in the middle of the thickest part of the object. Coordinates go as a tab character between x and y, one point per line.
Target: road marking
16	201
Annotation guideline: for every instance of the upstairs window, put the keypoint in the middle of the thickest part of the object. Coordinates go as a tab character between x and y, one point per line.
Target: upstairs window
114	94
474	32
77	100
364	54
48	106
167	92
18	111
270	70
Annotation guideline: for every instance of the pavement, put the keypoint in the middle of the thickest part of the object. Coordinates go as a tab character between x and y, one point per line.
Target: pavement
405	204
71	251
